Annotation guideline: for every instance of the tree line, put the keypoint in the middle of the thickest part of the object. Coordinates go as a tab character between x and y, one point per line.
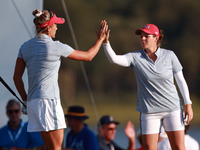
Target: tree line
179	20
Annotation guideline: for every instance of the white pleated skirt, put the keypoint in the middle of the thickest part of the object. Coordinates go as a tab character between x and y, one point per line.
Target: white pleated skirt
45	115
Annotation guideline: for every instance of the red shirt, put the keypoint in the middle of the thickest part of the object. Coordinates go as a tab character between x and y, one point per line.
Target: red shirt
141	148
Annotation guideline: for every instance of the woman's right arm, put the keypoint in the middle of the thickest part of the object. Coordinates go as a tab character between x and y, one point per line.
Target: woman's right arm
19	71
112	57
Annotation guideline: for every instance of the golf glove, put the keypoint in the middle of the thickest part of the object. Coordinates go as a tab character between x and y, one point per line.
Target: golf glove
24	109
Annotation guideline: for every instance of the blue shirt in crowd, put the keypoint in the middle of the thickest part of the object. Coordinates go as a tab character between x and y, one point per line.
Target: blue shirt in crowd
19	137
83	140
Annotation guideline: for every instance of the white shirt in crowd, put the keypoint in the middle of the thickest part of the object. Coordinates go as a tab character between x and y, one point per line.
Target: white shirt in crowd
190	144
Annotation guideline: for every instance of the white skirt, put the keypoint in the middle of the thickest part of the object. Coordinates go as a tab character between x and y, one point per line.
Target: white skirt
45	115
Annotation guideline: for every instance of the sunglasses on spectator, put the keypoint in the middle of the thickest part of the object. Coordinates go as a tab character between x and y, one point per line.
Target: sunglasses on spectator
110	129
13	111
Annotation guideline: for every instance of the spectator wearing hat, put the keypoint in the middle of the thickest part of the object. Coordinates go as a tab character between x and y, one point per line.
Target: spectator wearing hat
79	137
107	131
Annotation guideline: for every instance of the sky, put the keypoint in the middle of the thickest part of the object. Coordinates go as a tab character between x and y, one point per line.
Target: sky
13	34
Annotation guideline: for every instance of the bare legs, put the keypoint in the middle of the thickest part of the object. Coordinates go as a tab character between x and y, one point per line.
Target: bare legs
53	139
150	141
176	138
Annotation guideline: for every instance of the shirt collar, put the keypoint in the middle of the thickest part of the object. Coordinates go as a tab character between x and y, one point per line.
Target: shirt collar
85	128
158	52
100	138
21	124
44	36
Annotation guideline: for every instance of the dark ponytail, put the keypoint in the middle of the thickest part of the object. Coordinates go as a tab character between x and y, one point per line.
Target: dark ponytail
161	36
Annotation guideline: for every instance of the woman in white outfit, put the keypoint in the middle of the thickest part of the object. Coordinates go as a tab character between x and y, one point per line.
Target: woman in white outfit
41	56
157	98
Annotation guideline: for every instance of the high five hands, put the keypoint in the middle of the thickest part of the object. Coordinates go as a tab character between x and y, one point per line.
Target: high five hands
103	32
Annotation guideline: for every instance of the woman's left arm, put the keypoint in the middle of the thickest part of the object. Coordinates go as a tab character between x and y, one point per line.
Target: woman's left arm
180	80
86	55
19	71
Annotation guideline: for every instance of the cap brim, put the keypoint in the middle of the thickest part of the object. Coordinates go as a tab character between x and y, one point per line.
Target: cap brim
138	31
77	117
115	122
59	20
56	20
